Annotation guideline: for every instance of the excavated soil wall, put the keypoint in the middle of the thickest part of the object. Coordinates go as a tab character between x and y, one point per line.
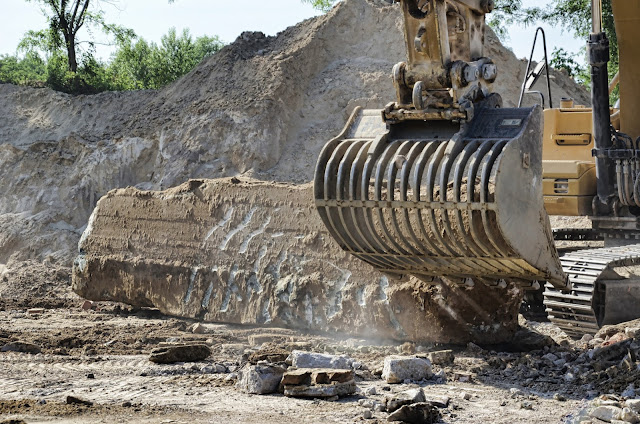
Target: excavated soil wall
252	252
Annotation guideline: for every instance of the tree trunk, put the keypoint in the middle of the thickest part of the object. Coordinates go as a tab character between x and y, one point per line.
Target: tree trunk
71	52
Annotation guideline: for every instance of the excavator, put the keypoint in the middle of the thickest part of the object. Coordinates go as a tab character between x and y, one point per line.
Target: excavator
446	185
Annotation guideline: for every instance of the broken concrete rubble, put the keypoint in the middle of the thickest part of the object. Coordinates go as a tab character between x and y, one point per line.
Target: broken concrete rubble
318	382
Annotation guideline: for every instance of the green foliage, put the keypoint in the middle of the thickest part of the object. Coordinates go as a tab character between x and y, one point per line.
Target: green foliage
323	5
29	70
65	19
508	12
562	59
142	65
136	64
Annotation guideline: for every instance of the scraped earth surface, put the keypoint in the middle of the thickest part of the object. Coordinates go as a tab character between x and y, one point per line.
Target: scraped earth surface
101	355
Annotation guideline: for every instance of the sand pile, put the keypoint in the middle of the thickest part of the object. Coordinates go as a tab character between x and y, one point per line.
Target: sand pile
261	107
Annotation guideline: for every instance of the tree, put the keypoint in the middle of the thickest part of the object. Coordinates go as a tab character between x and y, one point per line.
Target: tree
143	65
66	18
323	5
31	69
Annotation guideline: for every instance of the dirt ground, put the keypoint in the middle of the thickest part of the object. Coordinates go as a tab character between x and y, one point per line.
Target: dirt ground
100	355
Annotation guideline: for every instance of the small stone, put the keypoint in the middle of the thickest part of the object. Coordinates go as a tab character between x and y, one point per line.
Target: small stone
629	392
87	305
407	348
439	401
633	404
302	359
367	414
463	377
472	347
515	392
20	346
404	398
586	338
35	311
628	416
198	328
90	376
503	402
559	397
525	404
370	391
180	353
606	412
396	369
440	375
366	403
441	357
126	404
632	331
260	379
550	357
465	395
78	401
417	413
559	363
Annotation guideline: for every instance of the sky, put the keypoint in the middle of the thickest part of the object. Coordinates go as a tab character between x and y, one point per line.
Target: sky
150	19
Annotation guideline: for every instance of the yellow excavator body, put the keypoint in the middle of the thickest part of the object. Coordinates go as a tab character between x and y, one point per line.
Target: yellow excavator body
568	169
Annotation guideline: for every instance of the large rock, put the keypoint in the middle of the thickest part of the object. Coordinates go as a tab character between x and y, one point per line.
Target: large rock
261	378
302	359
251	252
396	369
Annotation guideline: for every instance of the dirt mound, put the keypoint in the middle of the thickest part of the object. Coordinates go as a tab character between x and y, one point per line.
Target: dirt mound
262	106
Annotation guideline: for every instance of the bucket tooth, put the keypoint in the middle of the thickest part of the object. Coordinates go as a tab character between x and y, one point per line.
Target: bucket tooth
441	200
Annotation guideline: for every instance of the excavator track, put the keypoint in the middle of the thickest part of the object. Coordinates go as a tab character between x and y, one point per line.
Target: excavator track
577	312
